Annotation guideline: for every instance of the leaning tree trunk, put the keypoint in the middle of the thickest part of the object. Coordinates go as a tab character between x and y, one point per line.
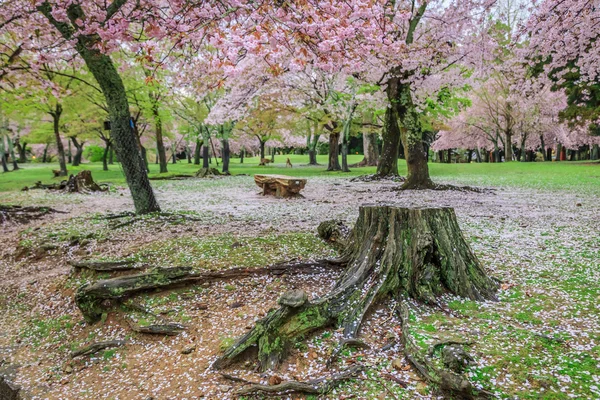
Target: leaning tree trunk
78	151
197	152
392	251
111	84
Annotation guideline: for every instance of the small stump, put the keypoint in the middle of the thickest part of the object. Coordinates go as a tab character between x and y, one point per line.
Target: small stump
280	185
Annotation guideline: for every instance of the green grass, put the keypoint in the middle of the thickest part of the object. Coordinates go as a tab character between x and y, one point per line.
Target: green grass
542	175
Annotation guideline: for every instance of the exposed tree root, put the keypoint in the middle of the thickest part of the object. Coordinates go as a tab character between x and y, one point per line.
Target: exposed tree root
444	378
351	342
378	178
174	218
417	252
178	177
169	329
23	215
437	186
314	386
334	232
90	298
208	173
104	266
96	347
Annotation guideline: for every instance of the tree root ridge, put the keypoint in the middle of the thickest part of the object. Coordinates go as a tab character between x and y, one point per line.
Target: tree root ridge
378	178
442	377
96	347
417	252
104	266
178	177
438	186
23	214
174	218
90	298
314	386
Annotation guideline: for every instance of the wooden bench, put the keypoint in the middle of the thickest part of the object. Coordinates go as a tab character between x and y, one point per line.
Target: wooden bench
280	185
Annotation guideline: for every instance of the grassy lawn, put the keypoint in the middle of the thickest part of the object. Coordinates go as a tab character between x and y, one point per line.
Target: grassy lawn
551	176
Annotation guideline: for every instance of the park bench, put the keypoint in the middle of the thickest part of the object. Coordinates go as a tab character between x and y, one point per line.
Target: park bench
279	185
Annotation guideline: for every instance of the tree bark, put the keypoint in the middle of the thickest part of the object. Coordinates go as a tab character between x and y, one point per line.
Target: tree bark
595	152
78	151
388	161
60	148
334	148
449	158
69	153
45	153
105	156
242	154
345	167
22	152
11	151
107	76
197	152
402	252
262	148
205	156
225	152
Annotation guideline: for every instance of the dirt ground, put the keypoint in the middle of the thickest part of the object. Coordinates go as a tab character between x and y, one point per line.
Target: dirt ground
519	235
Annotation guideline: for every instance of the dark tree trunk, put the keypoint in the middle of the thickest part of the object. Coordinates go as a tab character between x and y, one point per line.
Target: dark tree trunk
441	156
273	150
571	155
197	152
22	152
107	76
105	156
69	153
312	157
478	155
392	251
595	152
11	150
508	150
3	157
174	157
78	151
449	158
548	153
226	155
205	156
111	156
334	149
370	151
160	145
242	154
262	149
60	148
45	154
188	153
544	152
388	161
487	156
469	156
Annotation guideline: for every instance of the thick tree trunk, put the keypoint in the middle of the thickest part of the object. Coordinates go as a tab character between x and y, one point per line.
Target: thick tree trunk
571	155
333	163
3	155
69	153
107	76
205	156
595	152
415	252
225	152
508	150
60	148
388	162
370	151
449	157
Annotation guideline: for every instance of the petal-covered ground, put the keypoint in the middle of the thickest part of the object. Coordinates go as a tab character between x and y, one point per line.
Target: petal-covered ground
541	340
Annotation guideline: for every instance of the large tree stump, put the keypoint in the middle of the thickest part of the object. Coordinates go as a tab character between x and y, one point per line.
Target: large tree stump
392	251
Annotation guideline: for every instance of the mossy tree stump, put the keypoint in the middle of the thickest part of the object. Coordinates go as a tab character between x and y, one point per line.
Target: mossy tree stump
403	252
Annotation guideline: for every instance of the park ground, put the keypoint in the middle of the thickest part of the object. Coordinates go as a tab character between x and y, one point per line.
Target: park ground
537	230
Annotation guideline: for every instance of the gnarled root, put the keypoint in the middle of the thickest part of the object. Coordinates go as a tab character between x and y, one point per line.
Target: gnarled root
419	252
314	386
22	214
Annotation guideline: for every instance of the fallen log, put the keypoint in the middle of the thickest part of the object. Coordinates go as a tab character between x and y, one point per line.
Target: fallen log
90	297
96	347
